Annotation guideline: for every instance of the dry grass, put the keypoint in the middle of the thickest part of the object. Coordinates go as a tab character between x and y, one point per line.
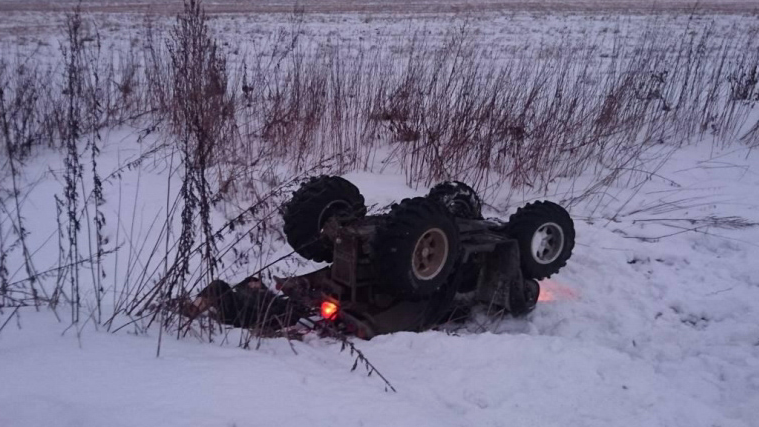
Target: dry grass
245	131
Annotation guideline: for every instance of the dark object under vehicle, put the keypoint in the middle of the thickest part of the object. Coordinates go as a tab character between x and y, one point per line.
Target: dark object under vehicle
401	271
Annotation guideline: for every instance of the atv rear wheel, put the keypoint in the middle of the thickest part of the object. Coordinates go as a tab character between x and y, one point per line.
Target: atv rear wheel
311	206
416	248
546	237
460	199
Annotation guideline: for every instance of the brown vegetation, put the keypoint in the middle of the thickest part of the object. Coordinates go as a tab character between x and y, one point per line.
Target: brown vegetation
437	111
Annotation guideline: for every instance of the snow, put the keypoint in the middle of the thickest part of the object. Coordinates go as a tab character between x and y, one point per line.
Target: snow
654	321
657	333
368	6
479	379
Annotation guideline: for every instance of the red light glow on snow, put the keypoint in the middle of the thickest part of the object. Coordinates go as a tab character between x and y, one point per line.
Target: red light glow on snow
551	290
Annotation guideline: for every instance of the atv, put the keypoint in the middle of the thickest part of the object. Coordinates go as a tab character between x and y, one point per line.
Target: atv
402	271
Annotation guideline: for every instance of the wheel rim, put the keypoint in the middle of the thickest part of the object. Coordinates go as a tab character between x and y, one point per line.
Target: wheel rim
339	208
430	254
461	208
547	243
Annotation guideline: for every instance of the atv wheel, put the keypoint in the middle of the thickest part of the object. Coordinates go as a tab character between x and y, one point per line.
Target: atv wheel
315	202
416	248
525	300
460	199
546	238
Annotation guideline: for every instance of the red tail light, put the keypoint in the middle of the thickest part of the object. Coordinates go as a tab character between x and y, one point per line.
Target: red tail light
329	310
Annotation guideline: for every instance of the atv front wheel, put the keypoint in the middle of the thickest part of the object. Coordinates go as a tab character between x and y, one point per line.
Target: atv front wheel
311	206
416	248
460	199
546	237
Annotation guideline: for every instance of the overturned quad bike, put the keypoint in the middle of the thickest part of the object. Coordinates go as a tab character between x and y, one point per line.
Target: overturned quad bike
401	271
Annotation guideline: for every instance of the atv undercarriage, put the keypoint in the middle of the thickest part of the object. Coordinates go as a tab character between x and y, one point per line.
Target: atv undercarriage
401	271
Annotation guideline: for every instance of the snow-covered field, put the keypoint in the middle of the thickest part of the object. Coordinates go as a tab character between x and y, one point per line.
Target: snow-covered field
403	6
654	321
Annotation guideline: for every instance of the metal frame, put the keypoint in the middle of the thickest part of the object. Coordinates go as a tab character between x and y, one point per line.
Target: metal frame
369	311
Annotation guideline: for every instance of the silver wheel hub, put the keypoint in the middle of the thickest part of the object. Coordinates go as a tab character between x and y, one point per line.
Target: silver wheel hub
547	243
430	254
